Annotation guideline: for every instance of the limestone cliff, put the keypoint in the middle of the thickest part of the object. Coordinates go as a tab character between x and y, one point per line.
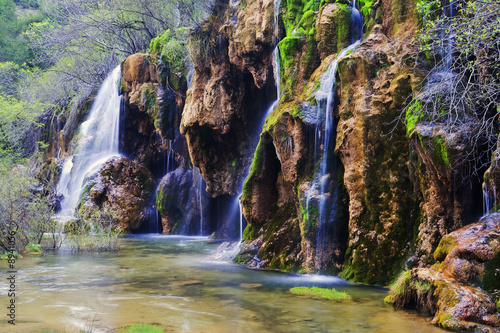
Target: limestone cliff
230	91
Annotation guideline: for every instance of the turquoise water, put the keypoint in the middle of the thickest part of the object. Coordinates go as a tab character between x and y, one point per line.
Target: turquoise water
173	282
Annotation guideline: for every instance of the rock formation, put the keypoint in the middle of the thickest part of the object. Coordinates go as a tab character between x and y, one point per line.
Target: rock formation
122	187
455	289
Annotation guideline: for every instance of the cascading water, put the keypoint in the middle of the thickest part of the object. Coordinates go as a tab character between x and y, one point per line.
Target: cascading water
97	143
489	202
321	190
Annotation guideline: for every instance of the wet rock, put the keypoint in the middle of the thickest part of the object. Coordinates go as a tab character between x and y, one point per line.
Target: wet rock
374	152
181	203
332	28
456	290
152	114
122	187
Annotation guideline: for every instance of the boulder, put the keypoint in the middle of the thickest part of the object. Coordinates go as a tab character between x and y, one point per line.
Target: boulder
456	291
122	187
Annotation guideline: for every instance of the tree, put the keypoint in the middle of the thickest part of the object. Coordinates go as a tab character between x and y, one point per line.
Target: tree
22	204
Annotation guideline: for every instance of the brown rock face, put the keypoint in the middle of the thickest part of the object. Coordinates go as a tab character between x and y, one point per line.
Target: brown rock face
137	70
455	290
445	203
152	113
373	89
269	198
122	187
332	32
231	90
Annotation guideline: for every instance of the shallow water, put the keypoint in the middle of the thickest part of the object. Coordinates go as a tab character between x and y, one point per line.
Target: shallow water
171	281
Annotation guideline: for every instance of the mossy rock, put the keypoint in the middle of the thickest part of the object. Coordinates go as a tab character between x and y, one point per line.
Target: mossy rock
491	277
445	246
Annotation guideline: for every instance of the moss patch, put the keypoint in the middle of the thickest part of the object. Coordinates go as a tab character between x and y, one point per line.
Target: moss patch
321	293
491	277
445	246
440	152
141	328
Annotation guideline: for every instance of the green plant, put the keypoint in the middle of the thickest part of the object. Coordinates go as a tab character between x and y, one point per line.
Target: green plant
33	248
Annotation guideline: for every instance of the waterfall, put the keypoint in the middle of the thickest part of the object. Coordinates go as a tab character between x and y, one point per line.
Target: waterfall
97	142
320	191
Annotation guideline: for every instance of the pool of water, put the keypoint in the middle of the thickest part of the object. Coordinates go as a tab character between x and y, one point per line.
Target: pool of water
175	283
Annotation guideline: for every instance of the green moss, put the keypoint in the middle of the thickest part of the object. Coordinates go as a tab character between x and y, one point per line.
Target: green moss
445	246
491	277
440	153
498	305
402	283
288	49
413	115
142	328
321	293
298	13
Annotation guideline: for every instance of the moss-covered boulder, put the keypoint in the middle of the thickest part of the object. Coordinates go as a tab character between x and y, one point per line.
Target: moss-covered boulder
456	291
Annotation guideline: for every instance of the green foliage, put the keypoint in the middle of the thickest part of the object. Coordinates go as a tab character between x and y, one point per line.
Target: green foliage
366	8
413	115
13	44
321	293
406	287
142	328
171	47
33	248
463	52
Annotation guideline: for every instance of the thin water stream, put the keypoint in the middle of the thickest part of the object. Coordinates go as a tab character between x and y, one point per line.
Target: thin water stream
172	281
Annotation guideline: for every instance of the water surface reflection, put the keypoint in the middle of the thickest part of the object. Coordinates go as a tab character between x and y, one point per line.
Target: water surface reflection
173	282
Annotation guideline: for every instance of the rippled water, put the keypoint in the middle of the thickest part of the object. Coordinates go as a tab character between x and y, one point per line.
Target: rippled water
171	281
